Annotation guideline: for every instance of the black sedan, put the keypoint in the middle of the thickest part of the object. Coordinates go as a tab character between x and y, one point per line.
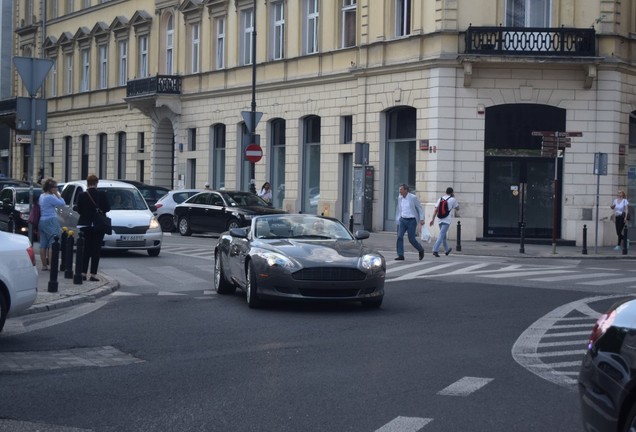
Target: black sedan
298	257
218	211
14	208
607	379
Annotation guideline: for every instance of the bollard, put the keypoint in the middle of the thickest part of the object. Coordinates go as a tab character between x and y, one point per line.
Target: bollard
63	249
11	224
458	248
522	248
55	254
584	251
625	240
68	265
351	223
79	257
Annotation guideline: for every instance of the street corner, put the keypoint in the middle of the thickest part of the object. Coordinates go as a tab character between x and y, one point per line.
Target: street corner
68	293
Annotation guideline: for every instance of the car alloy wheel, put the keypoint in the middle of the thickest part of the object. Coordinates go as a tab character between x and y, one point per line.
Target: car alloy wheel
233	223
221	284
184	227
252	288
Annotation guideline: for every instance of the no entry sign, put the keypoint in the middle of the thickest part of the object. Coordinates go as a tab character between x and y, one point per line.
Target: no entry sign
253	153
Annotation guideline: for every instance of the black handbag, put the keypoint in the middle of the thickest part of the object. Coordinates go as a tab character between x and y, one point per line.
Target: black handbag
101	221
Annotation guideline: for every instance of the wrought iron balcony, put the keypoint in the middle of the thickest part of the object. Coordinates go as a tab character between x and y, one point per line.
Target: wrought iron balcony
159	84
531	41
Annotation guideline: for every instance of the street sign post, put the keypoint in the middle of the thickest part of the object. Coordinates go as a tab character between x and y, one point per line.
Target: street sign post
553	143
600	168
33	71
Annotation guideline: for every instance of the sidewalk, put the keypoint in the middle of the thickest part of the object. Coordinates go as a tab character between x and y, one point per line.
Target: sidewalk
69	294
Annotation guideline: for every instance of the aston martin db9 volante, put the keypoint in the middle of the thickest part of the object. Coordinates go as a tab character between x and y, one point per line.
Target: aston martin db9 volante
298	256
607	379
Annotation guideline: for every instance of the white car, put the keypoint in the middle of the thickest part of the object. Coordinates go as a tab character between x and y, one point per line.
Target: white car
18	275
166	204
134	225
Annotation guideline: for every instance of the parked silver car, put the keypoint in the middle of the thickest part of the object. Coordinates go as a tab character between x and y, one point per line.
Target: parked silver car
166	204
134	225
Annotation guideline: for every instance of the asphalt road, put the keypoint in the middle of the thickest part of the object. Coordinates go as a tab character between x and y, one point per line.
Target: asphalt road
446	352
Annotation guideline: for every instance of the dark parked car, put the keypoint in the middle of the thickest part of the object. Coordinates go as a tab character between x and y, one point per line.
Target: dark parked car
4	182
298	256
607	379
150	193
14	203
218	211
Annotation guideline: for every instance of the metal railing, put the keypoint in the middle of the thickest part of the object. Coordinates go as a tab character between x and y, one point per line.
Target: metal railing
536	41
159	84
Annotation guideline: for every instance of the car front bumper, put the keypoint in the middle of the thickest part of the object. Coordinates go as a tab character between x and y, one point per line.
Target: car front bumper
151	240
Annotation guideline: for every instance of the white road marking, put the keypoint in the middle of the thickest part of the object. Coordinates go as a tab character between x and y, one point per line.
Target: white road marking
405	424
181	280
169	293
468	269
572	277
124	294
526	273
525	350
609	281
465	386
413	275
128	278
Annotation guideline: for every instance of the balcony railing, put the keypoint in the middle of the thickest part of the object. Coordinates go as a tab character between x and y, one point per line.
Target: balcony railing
159	84
531	41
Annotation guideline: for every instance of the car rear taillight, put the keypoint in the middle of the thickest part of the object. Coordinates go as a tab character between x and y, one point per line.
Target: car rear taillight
158	205
31	254
604	322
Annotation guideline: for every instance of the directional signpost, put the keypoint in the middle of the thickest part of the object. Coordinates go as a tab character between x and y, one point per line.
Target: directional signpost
32	71
553	143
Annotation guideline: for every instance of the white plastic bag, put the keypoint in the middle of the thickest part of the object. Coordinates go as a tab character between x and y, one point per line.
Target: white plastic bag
425	235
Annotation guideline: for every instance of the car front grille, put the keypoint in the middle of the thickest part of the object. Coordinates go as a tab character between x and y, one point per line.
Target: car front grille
128	230
331	292
130	243
329	274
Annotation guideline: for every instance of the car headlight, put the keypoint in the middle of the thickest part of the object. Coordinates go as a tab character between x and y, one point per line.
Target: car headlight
154	224
277	260
24	216
372	262
248	216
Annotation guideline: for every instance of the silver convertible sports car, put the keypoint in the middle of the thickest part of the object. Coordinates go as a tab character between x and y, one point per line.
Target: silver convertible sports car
298	256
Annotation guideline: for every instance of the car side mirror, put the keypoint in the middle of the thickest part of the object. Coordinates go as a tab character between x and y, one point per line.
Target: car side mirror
362	234
238	232
7	202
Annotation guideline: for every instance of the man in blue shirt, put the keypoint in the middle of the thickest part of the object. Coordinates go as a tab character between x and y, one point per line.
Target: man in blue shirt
409	214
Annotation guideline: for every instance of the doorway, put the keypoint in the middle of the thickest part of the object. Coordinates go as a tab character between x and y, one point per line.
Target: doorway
520	190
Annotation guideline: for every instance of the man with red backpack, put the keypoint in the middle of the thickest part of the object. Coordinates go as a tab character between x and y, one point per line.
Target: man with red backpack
443	209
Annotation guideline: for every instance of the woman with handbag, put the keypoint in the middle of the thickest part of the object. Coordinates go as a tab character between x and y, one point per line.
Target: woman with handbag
48	226
621	214
89	204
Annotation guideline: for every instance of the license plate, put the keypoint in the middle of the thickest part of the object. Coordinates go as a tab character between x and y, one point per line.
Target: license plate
131	237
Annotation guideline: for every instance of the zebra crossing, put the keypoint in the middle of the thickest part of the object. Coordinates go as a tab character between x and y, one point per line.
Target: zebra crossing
496	271
486	270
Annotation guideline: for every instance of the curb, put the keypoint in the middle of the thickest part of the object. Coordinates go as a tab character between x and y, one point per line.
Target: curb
86	297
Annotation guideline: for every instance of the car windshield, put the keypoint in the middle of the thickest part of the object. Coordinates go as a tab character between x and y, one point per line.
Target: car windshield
125	199
300	227
244	199
22	197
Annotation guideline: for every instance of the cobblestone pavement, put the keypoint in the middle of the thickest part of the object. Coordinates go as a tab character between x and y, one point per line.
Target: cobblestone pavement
102	356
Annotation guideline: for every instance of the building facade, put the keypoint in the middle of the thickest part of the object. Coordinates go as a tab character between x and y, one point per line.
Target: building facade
445	93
